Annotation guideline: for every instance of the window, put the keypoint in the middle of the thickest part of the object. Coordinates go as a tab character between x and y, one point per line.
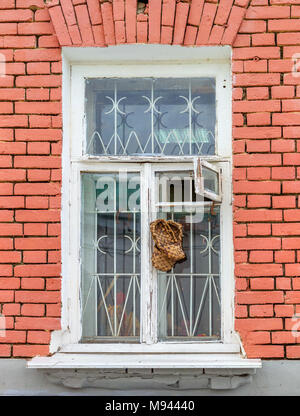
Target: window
144	128
146	139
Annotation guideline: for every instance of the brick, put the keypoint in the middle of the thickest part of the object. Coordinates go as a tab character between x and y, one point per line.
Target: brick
5	350
256	187
265	351
283	25
84	23
263	256
195	13
108	24
38	175
256	132
30	350
241	311
6	296
6	243
42	15
258	119
37	55
34	229
282	145
53	284
38	216
35	243
258	173
120	32
182	10
292	296
12	309
36	189
53	310
253	26
290	243
261	310
290	187
14	121
39	121
37	323
29	3
268	12
283	173
265	243
130	20
41	270
255	270
36	202
283	311
256	106
11	229
286	229
258	337
6	188
35	257
29	309
45	162
255	79
17	15
262	283
291	215
261	215
257	201
256	324
38	81
233	24
19	42
9	282
38	337
257	160
38	148
206	23
241	40
34	94
254	52
32	283
15	337
12	94
284	256
263	39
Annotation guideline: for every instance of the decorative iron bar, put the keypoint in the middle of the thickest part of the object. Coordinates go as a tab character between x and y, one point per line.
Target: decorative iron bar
164	112
180	300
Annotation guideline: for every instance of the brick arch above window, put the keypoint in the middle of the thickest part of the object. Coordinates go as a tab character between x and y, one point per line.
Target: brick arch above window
103	23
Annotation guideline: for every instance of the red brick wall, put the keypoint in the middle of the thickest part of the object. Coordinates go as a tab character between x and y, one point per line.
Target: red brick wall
266	178
30	175
266	163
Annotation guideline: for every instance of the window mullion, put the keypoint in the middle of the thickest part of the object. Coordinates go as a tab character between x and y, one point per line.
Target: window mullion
148	285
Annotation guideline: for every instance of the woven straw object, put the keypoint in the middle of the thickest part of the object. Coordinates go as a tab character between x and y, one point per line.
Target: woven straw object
167	236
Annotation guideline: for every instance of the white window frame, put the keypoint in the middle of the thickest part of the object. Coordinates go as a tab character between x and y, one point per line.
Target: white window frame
141	61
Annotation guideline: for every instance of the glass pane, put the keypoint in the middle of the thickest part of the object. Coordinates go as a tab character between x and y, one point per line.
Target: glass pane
189	295
151	116
211	180
111	256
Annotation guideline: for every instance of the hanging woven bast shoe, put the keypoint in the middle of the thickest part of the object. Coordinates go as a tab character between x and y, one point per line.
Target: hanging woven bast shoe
167	236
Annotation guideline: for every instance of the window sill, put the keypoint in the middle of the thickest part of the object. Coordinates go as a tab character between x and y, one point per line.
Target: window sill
127	360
